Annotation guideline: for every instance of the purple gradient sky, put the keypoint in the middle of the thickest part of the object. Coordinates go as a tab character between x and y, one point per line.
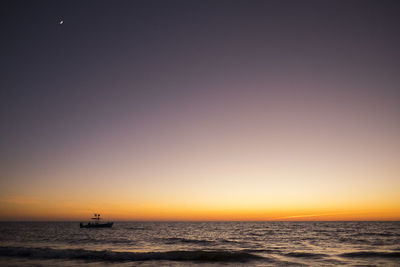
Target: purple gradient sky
211	92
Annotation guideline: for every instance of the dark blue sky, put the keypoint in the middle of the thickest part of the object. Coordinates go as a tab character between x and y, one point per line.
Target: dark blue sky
111	58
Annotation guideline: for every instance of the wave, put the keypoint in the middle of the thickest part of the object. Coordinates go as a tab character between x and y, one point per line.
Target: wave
113	256
377	234
138	228
175	240
98	241
178	240
305	255
269	251
371	254
227	241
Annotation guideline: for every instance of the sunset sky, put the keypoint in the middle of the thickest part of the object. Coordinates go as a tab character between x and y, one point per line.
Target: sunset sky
200	110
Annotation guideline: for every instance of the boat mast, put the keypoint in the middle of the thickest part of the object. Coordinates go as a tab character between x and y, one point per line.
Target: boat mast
96	217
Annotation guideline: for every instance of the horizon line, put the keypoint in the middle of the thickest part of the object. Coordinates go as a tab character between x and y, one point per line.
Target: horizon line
383	220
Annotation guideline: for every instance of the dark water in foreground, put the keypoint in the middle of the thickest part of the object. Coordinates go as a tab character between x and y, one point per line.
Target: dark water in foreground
201	243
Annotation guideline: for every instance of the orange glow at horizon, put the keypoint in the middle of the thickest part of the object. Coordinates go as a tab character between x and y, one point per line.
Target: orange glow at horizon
19	208
222	164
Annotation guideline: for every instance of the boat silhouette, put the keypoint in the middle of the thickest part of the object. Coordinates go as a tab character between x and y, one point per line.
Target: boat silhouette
96	223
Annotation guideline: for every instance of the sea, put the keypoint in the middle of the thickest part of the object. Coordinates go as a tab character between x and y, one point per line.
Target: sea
201	244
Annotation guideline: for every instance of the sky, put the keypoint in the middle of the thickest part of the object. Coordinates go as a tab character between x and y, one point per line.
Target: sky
200	110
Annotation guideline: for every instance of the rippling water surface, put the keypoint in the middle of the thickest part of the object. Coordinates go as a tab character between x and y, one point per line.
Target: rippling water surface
201	243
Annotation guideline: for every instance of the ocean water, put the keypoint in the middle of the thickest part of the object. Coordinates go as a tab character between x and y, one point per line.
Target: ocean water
201	244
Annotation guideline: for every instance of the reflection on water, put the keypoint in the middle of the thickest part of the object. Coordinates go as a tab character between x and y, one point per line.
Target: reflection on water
186	243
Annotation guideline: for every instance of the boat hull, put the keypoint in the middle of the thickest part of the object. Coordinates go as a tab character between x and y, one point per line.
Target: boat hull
96	225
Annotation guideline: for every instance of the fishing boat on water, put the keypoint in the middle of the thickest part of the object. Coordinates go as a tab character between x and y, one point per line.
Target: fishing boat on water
96	223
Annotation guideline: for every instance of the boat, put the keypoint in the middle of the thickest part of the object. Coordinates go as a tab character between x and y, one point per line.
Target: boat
96	223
